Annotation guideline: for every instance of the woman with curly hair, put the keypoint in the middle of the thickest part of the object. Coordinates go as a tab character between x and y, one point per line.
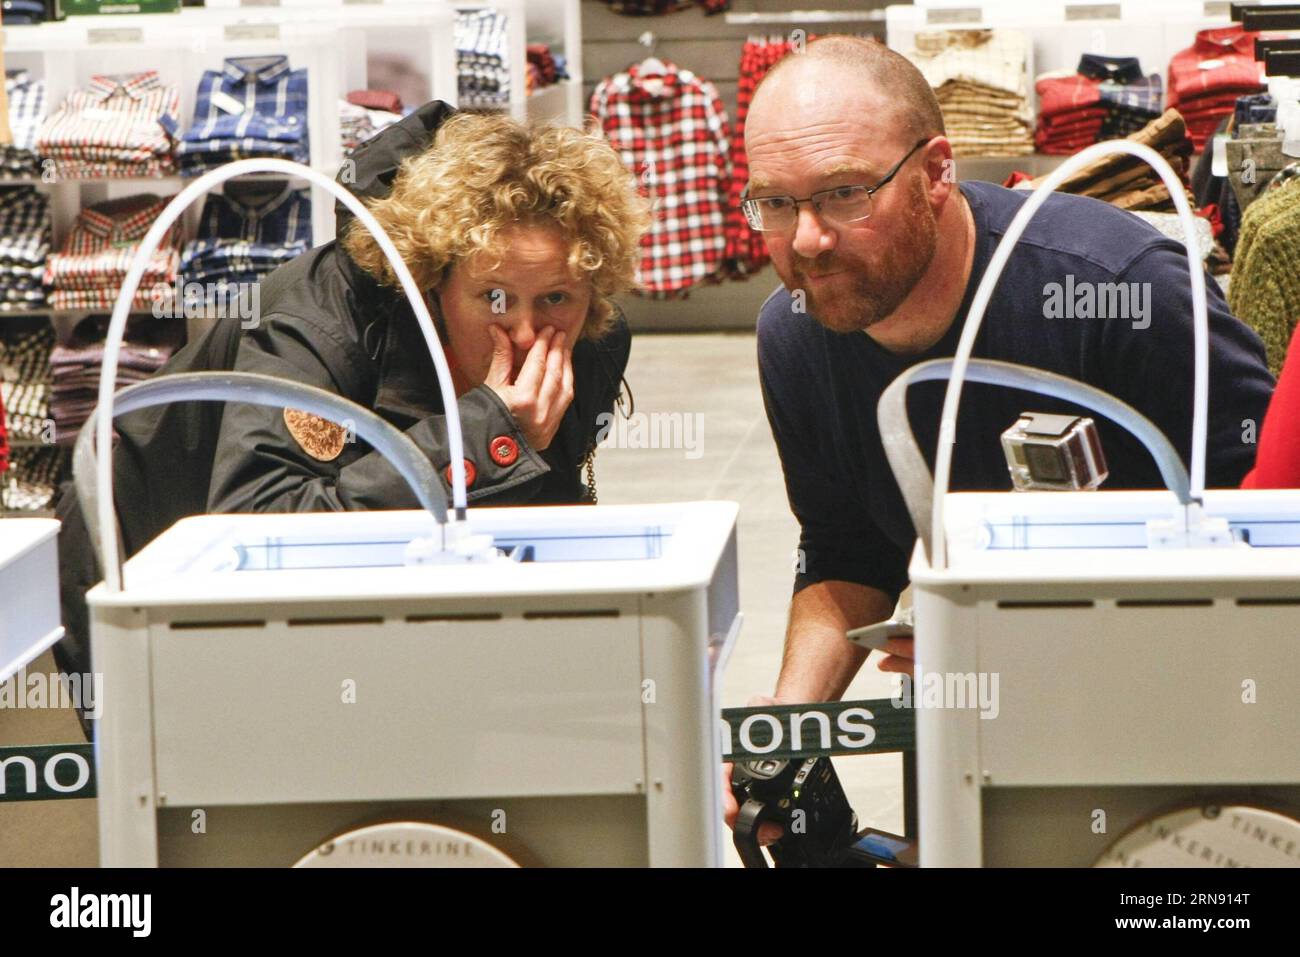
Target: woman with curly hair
518	235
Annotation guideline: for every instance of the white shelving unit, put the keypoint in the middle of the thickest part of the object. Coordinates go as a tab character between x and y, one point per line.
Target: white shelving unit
343	44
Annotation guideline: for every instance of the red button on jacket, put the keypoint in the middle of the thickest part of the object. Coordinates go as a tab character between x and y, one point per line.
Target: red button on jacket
504	450
470	473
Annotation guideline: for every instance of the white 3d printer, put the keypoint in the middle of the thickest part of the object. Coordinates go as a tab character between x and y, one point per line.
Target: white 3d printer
501	686
1147	643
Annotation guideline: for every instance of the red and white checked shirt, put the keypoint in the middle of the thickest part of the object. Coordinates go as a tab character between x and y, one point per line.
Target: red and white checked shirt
88	271
115	126
671	131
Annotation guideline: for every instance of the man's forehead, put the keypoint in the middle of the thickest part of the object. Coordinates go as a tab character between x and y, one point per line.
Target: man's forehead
760	180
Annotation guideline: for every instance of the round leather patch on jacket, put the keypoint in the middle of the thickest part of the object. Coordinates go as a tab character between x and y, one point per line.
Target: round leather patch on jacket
319	438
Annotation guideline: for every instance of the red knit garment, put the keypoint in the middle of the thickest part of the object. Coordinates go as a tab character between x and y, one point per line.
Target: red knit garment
1277	460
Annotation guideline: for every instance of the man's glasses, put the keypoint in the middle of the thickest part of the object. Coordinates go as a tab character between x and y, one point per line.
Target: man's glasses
842	204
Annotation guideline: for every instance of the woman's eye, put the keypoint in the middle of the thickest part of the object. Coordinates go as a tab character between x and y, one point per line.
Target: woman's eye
556	298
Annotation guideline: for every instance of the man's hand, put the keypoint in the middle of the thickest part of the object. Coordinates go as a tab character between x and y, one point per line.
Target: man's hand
768	833
899	656
541	393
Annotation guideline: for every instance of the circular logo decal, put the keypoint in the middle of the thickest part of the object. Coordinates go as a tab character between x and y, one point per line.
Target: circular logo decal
406	844
1210	836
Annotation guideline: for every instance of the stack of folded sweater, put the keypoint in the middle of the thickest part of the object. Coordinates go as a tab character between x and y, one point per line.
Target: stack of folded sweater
979	79
1126	181
75	368
1105	98
1206	79
544	68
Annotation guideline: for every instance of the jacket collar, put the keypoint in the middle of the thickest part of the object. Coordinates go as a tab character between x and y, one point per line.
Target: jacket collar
407	386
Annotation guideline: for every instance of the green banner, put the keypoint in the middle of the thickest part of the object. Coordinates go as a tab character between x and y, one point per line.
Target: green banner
783	731
47	772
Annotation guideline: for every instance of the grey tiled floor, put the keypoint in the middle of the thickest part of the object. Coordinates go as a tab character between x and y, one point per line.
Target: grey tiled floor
717	376
714	375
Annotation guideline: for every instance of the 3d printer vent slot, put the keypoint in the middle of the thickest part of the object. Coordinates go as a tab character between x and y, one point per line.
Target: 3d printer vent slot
359	620
1164	603
587	613
208	625
1263	602
465	616
1086	603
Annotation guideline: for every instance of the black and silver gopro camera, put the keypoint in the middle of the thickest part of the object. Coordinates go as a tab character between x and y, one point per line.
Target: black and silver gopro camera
1054	452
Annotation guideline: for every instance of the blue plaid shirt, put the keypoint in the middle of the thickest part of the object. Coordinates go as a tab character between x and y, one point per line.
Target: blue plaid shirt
272	122
240	242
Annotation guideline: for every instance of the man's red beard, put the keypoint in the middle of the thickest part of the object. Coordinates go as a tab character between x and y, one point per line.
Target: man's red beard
873	292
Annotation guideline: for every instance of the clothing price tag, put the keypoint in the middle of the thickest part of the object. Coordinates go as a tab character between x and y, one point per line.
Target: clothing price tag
1092	11
224	101
954	15
1209	64
1219	156
239	32
97	35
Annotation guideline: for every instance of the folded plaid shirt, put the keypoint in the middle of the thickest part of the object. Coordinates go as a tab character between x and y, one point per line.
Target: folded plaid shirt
88	271
252	106
1221	60
672	133
481	60
241	241
24	227
26	108
116	126
32	479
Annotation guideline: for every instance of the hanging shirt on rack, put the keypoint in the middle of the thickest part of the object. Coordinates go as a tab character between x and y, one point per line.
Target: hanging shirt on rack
117	126
746	252
88	271
671	131
252	106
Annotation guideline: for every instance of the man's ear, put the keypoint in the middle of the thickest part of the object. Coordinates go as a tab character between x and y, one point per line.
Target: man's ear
940	169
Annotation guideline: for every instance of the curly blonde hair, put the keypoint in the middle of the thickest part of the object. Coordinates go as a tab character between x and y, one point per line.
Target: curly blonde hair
483	174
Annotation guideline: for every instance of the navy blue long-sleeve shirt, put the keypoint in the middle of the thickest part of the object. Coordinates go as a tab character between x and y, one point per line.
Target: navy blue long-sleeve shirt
821	388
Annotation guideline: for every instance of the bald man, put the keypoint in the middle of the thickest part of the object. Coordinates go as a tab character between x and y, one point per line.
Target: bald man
880	250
